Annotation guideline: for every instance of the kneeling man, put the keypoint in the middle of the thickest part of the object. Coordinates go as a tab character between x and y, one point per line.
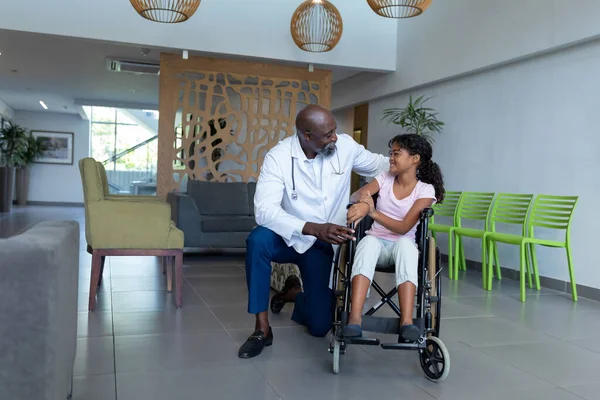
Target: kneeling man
300	206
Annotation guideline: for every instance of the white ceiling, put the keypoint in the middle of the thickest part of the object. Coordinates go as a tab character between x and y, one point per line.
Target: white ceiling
63	71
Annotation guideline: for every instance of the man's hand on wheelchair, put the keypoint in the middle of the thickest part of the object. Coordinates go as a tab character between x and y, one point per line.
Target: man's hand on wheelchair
330	233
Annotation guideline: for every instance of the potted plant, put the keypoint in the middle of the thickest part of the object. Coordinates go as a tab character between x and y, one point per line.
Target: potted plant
12	141
32	149
415	118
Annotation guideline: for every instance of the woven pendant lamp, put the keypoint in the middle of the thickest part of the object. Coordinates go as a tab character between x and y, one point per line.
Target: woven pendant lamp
399	8
166	11
316	26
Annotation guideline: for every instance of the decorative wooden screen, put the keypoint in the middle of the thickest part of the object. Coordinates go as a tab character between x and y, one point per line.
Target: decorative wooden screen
218	118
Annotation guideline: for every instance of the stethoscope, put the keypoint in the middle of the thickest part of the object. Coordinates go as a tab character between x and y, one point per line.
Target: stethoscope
336	172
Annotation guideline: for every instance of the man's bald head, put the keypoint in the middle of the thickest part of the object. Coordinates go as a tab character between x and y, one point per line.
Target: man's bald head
316	126
312	117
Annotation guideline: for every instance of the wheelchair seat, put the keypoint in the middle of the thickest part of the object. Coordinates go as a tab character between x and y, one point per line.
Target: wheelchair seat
388	269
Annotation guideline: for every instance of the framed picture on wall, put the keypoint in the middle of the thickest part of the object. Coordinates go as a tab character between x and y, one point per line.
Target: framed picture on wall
60	147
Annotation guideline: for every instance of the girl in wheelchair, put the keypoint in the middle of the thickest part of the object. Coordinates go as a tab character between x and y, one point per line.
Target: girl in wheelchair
414	182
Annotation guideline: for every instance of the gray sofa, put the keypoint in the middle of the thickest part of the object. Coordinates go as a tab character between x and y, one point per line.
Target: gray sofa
38	311
214	215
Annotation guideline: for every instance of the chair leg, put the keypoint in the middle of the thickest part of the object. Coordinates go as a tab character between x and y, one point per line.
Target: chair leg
164	265
497	257
527	256
168	261
95	277
179	278
571	272
463	258
103	259
450	260
534	264
484	269
456	256
491	251
522	270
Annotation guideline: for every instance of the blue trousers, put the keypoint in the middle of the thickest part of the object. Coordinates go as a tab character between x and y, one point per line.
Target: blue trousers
313	307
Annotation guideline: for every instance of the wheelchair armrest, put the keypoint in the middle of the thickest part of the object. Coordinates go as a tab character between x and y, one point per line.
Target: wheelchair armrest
427	213
423	227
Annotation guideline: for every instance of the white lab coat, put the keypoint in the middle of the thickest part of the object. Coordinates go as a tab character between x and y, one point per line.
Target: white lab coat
322	186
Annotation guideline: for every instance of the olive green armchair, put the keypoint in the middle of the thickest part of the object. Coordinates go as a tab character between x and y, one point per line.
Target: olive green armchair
108	195
105	188
127	227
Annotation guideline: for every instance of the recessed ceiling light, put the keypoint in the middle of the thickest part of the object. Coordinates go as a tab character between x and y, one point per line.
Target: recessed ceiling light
43	105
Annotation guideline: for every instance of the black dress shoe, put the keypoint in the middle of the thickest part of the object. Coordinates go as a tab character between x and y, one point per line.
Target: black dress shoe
256	343
277	302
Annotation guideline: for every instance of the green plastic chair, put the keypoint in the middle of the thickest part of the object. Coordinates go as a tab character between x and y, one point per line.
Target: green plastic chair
474	206
551	212
446	209
508	208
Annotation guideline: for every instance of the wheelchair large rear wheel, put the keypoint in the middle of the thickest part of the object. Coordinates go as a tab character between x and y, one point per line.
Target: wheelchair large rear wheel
435	278
435	360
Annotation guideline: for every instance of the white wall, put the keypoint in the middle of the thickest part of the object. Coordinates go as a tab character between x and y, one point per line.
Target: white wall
345	120
463	36
531	128
236	27
57	183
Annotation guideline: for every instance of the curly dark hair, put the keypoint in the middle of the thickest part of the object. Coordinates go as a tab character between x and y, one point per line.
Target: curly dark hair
428	170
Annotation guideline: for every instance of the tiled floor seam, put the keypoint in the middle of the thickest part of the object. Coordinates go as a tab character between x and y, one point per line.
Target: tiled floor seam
279	396
580	346
566	389
515	366
213	313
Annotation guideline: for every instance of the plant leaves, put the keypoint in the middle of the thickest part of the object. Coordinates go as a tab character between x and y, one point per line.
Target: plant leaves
415	118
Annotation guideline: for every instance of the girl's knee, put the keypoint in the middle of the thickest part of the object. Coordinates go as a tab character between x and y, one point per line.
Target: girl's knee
369	242
368	246
406	247
405	241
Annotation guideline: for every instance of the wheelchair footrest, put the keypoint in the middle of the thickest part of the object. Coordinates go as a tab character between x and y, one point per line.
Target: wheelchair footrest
369	341
403	346
381	324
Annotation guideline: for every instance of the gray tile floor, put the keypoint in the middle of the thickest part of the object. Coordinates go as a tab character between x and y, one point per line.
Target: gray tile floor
137	345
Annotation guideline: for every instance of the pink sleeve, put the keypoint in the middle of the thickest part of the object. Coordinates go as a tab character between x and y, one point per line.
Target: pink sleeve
427	191
382	178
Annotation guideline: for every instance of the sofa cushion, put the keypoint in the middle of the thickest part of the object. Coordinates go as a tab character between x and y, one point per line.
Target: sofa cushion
220	198
251	192
227	223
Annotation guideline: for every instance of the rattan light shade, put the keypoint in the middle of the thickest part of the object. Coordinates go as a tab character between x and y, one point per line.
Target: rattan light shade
166	11
316	26
399	8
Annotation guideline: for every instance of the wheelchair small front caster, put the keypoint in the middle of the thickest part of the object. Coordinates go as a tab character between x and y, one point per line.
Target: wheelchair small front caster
336	355
435	359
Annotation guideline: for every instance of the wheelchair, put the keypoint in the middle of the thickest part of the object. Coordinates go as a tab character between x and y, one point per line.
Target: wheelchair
433	354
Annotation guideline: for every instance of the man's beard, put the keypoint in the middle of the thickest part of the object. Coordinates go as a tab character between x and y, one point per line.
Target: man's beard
328	150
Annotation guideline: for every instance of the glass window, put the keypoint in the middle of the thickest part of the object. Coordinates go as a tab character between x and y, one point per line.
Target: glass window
126	143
